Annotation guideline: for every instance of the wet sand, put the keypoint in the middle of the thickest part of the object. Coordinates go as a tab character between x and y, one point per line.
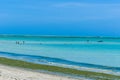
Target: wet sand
13	73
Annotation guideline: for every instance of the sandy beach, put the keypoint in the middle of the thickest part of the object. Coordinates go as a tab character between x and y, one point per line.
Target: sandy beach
12	73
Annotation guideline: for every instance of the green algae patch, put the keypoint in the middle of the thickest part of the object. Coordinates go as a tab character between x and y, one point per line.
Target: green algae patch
33	66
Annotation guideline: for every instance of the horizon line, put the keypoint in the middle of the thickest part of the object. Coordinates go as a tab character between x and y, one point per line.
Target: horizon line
66	36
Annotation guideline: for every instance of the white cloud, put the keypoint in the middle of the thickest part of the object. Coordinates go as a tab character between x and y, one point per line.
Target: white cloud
68	4
78	4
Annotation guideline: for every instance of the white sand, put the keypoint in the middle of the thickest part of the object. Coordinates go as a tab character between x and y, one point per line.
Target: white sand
11	73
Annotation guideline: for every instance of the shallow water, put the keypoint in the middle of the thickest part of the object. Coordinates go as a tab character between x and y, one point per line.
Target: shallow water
90	50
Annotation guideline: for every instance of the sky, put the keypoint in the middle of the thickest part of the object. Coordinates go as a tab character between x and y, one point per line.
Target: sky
60	17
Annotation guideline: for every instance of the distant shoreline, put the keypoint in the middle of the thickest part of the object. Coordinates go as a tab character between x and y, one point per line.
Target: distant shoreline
55	36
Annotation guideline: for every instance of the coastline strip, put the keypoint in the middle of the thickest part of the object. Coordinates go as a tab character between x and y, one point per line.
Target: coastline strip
86	74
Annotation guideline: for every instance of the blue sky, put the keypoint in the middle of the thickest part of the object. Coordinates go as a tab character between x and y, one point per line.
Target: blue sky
60	17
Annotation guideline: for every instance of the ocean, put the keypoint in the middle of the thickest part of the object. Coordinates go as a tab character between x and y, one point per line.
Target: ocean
73	52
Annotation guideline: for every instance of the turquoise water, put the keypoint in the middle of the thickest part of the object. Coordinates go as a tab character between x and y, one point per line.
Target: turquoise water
90	50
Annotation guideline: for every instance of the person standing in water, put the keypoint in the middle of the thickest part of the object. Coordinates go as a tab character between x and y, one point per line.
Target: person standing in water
17	42
23	42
